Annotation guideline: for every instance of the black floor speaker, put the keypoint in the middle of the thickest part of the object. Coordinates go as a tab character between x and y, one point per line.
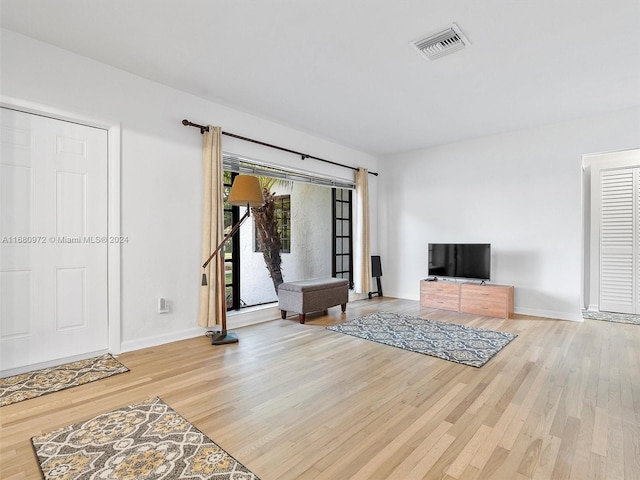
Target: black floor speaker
376	266
376	271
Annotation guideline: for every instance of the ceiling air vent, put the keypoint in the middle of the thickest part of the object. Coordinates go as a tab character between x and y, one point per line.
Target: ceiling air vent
442	43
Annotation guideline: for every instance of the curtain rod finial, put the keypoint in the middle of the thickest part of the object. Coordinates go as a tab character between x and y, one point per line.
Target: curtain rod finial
202	128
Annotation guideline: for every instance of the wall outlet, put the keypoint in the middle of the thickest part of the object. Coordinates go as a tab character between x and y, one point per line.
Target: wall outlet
163	305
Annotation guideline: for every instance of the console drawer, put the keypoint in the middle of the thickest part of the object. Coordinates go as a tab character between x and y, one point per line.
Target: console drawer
479	307
445	296
484	292
489	300
444	302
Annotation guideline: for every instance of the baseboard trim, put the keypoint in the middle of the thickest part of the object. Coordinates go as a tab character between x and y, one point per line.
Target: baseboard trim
533	312
50	363
154	341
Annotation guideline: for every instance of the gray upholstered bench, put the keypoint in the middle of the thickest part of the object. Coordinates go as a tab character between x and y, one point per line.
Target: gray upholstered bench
312	295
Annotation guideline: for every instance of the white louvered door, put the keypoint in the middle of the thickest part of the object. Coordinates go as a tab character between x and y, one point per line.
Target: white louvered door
620	241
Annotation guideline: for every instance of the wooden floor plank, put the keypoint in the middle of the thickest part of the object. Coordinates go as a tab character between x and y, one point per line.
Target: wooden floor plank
295	401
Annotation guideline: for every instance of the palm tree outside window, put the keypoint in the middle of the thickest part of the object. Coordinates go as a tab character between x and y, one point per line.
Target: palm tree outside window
283	216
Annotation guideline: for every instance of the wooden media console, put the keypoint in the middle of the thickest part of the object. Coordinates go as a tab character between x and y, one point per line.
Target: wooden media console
490	300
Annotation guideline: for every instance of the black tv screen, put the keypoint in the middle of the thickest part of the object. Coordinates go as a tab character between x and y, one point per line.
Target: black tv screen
460	260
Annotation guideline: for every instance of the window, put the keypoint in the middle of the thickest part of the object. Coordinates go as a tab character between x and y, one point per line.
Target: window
342	264
308	249
283	217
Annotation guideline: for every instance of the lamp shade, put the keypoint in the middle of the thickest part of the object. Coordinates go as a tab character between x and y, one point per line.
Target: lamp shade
246	191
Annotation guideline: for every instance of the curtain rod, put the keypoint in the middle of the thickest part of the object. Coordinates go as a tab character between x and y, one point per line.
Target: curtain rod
303	156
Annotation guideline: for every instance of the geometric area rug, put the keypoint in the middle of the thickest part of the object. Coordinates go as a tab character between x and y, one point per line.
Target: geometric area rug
47	380
471	346
633	319
144	441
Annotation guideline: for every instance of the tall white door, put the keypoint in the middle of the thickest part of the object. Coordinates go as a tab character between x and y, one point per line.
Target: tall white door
53	228
620	241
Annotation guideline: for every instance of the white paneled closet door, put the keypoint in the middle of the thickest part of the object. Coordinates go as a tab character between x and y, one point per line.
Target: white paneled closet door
53	255
620	241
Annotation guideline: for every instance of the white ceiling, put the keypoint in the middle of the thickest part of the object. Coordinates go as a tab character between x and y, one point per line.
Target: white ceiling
344	69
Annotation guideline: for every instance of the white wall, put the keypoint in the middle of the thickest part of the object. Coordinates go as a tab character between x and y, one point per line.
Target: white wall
519	191
161	170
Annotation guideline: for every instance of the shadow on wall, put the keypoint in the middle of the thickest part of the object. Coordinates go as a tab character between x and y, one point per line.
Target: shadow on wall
515	267
522	269
542	304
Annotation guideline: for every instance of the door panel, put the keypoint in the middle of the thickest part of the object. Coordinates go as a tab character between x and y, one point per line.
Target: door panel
618	248
53	255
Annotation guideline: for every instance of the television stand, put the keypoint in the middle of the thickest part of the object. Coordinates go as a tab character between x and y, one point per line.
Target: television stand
488	299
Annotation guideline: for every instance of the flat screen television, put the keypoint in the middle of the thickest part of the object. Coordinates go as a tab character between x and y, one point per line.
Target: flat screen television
460	260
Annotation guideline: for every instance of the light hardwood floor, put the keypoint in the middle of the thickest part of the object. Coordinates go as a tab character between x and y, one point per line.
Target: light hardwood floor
292	401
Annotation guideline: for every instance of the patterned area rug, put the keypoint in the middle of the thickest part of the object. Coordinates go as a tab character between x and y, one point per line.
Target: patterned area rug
144	441
40	382
457	343
612	317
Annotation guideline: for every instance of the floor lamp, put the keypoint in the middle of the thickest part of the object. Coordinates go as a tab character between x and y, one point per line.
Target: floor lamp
245	191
